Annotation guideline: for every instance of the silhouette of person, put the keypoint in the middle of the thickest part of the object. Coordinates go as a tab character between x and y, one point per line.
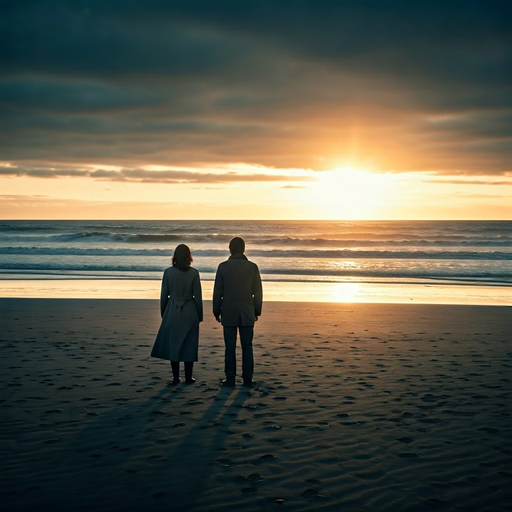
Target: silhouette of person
237	303
181	307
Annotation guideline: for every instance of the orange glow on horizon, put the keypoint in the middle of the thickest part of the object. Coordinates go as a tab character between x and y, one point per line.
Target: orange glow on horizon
241	191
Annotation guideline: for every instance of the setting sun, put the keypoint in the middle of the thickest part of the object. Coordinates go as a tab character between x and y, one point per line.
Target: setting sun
349	193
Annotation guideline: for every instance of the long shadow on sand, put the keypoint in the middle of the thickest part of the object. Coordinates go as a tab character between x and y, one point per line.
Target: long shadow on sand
147	455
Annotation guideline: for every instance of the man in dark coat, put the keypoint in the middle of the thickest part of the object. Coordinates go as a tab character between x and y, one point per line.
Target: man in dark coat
237	302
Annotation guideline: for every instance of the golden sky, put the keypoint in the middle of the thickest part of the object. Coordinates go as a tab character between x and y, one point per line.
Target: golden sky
256	110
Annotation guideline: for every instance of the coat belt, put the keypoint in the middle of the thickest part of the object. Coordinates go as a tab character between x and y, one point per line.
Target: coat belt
181	302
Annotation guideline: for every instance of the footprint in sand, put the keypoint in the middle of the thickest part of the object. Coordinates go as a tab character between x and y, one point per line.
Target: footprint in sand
276	440
311	493
267	456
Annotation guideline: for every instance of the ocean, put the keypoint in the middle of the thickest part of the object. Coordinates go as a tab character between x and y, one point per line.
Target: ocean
392	252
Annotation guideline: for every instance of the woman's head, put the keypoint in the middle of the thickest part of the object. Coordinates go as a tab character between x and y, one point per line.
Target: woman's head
182	257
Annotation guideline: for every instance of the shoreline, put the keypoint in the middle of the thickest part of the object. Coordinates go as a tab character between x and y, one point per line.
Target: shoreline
274	291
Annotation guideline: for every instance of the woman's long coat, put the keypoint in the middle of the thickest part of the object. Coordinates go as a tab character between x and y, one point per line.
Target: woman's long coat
181	306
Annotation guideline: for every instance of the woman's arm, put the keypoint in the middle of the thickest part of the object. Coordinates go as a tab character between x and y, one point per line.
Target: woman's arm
164	295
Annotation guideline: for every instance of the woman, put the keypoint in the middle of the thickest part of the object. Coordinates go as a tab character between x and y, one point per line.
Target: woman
181	307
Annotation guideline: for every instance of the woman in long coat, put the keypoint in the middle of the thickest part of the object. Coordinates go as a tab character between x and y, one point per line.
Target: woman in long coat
181	307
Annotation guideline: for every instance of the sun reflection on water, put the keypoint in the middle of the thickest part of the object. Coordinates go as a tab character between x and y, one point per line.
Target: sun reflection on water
345	292
349	264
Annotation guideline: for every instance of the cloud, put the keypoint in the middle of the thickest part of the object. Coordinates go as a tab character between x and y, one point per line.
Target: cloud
473	182
152	176
398	86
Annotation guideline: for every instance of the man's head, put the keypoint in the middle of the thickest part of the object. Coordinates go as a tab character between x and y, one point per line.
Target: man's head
237	245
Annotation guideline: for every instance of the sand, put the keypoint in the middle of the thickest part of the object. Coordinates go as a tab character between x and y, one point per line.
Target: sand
357	407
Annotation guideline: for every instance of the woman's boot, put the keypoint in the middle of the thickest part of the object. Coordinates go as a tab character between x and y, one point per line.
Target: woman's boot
189	366
175	367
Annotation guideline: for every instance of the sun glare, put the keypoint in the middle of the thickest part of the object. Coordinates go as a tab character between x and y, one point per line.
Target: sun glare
345	292
349	193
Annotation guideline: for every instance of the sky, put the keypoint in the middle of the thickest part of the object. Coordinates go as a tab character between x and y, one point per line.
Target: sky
256	109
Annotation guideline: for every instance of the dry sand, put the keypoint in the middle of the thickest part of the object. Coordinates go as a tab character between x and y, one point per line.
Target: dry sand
357	407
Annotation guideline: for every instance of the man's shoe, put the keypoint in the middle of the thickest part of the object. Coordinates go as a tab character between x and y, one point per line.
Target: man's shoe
175	382
249	383
190	380
229	383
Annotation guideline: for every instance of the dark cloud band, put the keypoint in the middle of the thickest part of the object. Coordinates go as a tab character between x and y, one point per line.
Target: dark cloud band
274	83
148	176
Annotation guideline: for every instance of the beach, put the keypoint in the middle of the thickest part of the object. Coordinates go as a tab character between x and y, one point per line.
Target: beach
356	407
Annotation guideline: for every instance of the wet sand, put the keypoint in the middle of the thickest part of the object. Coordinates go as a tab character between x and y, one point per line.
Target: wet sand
356	407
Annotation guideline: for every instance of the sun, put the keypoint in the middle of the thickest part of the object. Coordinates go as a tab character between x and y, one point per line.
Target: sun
349	193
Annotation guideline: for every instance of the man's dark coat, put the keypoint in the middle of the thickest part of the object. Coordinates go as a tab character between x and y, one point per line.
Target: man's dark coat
238	293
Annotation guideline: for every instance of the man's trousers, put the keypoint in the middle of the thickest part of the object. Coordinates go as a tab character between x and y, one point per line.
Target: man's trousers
246	336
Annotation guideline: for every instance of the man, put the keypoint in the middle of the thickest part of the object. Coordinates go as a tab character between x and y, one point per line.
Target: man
237	302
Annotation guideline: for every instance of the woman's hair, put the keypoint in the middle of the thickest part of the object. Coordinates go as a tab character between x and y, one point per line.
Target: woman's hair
182	257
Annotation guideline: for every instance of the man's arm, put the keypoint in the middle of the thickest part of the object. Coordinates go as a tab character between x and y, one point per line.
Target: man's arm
218	292
257	290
